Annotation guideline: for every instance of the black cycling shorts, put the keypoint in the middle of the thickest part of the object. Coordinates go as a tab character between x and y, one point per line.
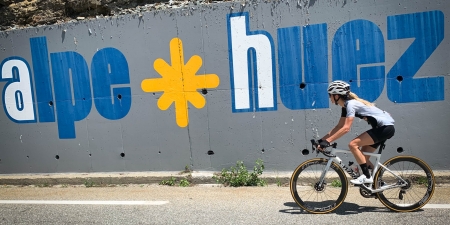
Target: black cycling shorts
380	134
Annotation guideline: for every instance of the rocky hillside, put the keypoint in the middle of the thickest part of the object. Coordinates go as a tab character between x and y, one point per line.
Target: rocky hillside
16	14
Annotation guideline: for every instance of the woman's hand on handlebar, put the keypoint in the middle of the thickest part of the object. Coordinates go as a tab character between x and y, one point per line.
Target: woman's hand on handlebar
322	144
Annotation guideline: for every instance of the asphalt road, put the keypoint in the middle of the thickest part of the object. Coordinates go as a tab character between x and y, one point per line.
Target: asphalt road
154	204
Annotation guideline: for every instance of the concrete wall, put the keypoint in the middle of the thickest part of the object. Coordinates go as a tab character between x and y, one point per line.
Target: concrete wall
111	94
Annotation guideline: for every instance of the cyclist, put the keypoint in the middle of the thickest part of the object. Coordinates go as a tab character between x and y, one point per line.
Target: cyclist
352	106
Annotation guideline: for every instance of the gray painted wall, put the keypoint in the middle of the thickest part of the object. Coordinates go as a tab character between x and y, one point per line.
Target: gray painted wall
152	139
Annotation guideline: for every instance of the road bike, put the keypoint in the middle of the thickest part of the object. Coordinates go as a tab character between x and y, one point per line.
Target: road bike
402	183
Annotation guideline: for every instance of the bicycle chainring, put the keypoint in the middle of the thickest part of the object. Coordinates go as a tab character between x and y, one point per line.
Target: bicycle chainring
365	193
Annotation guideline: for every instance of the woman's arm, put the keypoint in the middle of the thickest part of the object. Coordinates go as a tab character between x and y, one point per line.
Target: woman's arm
335	129
347	124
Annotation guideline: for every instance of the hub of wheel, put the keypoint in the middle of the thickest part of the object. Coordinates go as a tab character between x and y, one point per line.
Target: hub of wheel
319	188
408	184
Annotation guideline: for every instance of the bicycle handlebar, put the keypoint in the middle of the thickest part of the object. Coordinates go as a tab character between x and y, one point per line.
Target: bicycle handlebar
315	145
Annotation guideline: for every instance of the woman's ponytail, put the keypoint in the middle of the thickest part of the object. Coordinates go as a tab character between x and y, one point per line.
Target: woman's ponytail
352	95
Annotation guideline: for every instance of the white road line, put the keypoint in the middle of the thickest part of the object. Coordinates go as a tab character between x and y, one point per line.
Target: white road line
431	206
63	202
436	206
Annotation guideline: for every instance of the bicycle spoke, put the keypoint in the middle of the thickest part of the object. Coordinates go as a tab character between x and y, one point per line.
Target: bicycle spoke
315	196
417	190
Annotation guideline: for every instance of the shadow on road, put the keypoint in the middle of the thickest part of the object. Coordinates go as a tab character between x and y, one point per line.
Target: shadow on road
344	209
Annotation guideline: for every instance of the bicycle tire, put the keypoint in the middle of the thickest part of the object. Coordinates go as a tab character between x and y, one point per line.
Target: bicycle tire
416	194
304	186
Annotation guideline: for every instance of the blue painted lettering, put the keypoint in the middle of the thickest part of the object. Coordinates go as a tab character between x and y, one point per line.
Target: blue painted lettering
428	30
18	100
251	55
72	99
70	74
357	44
41	70
294	93
109	67
358	56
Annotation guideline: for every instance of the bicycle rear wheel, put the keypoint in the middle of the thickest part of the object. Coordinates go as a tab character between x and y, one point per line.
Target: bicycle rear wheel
415	194
311	196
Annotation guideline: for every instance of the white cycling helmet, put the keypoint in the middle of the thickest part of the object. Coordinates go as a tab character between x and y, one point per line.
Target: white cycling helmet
338	87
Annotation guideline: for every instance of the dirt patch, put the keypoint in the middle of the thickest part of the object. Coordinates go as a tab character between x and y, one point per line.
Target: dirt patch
16	14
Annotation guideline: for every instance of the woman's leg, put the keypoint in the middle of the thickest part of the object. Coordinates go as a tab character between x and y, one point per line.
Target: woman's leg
370	149
362	140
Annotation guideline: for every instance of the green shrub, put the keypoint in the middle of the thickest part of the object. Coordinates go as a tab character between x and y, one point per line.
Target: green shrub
240	176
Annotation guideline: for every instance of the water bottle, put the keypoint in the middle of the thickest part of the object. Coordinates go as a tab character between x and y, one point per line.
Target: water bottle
355	170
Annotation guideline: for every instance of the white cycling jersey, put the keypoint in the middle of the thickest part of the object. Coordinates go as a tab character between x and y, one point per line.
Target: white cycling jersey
374	116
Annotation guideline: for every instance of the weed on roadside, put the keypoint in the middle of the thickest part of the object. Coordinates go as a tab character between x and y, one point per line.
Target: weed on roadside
173	181
184	183
279	184
169	182
336	183
187	169
420	180
89	183
239	175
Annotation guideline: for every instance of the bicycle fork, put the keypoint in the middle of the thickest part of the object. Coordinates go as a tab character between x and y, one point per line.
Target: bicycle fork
327	167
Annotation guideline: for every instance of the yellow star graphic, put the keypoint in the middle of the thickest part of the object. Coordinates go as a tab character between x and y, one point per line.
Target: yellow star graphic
179	82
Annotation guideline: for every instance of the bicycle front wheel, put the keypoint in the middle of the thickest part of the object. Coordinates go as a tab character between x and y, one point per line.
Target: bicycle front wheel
419	188
314	197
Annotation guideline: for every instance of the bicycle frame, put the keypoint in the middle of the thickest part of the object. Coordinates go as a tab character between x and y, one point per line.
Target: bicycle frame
378	165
